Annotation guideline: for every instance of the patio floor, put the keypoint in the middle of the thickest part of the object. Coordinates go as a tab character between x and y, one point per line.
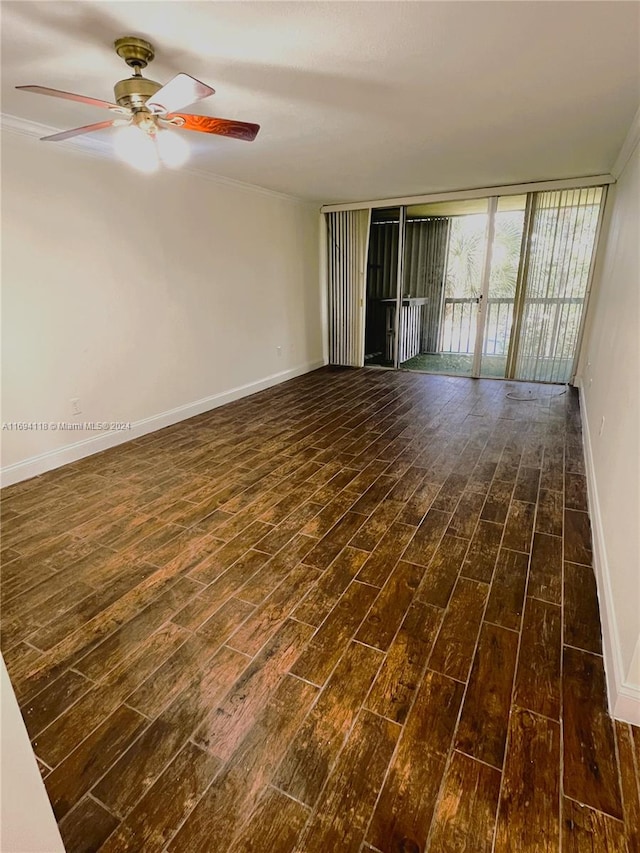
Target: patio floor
493	366
554	370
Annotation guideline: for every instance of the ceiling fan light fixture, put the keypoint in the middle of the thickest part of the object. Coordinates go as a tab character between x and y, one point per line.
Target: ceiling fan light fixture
173	148
147	107
136	148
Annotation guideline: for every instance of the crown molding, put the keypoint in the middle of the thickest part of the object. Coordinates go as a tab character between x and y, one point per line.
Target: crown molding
92	147
25	127
628	146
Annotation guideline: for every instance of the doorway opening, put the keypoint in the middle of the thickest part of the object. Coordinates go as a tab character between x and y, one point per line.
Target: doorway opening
381	287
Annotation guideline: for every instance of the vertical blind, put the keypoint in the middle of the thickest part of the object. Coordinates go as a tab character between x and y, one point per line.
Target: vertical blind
347	245
555	263
560	254
425	256
382	262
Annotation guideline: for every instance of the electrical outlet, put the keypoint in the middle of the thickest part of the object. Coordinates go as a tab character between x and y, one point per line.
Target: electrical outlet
75	406
601	426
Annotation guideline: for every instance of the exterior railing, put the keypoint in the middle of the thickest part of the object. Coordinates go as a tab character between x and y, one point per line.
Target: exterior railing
459	322
458	327
497	327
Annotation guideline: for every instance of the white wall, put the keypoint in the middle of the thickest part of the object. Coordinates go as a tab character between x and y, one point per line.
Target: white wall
139	295
27	823
609	377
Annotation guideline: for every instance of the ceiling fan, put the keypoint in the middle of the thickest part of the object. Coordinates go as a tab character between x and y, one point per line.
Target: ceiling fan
145	113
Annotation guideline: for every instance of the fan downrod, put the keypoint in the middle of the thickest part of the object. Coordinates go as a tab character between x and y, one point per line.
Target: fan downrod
136	52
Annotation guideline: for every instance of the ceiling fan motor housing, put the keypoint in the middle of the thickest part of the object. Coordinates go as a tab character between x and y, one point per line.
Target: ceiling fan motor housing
135	91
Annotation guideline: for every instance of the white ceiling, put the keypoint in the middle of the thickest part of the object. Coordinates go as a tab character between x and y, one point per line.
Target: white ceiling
357	100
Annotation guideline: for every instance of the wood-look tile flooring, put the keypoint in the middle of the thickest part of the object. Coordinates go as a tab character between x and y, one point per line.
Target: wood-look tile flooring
355	612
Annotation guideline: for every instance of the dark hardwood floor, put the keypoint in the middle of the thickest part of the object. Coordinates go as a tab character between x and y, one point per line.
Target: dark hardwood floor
355	612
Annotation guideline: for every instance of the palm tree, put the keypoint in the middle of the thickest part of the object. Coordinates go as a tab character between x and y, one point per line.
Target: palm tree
466	249
466	254
506	254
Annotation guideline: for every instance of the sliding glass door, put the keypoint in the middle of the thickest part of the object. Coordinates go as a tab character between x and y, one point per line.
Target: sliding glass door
556	271
499	301
444	259
483	287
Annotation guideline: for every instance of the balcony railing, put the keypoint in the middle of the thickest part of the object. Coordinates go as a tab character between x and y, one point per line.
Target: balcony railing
459	326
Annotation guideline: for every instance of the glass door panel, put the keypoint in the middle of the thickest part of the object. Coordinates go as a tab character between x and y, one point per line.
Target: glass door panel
382	281
564	230
503	278
444	254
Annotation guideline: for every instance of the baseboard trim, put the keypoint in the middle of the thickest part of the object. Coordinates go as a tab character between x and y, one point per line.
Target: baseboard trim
36	465
623	696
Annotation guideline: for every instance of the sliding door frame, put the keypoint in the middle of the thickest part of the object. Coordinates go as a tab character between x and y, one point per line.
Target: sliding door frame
523	269
399	286
492	194
481	315
481	301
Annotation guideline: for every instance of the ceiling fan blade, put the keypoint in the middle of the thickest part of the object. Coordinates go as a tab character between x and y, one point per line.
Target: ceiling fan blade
69	96
78	131
221	126
178	93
